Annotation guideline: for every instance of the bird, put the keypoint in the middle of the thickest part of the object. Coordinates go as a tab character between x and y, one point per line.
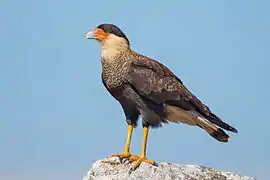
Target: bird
146	88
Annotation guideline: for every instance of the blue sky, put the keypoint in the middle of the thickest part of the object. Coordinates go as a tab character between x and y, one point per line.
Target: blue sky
57	118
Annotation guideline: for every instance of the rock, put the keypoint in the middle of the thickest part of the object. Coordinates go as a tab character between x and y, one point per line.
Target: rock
112	169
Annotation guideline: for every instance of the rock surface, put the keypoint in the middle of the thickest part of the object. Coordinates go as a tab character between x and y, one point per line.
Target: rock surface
112	169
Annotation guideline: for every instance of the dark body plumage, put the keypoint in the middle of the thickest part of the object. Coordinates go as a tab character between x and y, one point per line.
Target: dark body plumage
146	87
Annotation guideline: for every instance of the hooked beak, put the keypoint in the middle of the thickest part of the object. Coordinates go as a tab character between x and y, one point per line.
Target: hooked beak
97	34
90	35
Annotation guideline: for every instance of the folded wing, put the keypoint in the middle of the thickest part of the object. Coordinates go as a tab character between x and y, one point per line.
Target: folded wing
157	83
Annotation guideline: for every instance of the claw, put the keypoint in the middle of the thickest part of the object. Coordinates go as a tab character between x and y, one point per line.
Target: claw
138	161
130	171
126	156
125	160
133	158
155	164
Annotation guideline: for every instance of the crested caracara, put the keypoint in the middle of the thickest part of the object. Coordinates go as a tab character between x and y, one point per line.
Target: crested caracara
144	87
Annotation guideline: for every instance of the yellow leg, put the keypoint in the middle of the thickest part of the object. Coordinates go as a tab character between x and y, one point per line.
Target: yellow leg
126	153
142	158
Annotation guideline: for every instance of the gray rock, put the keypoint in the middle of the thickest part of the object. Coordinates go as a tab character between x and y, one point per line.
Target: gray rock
112	169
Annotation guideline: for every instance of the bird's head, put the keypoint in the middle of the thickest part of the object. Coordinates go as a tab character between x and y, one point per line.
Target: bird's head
108	33
113	41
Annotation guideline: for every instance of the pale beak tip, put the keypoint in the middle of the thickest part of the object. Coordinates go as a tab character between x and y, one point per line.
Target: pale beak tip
89	35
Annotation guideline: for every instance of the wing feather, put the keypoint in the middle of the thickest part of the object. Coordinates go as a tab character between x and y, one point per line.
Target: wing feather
156	82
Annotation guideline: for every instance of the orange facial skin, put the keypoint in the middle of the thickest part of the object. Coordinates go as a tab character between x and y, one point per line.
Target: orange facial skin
99	34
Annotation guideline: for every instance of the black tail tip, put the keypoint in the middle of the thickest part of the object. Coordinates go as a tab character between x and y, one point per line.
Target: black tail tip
220	135
233	130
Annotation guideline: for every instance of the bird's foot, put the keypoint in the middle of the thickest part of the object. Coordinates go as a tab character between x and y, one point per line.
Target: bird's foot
138	161
125	155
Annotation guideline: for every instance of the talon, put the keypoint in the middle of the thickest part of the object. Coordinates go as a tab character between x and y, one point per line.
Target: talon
133	158
125	160
121	156
130	170
150	161
139	160
126	156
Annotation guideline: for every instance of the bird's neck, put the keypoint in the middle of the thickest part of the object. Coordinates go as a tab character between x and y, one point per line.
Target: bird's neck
111	49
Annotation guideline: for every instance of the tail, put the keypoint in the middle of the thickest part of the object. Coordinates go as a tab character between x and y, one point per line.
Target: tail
193	118
217	121
212	129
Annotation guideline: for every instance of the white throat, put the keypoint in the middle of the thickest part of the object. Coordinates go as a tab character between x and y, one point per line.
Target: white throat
112	46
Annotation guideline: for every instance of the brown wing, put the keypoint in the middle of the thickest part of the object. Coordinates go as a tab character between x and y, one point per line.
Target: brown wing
157	83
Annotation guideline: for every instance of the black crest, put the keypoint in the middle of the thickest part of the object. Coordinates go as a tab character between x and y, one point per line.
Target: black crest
113	29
